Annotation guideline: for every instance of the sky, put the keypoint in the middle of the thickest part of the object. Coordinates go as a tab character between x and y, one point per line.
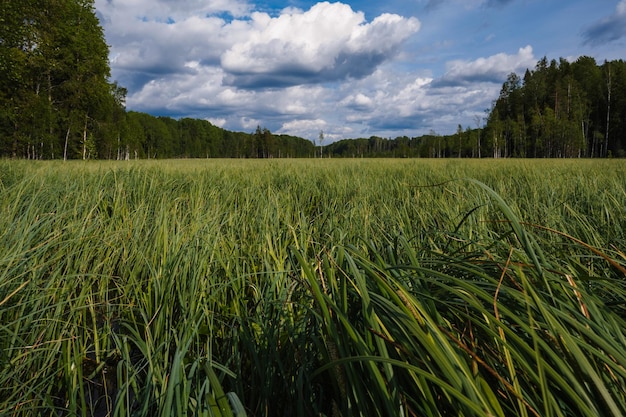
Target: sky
350	69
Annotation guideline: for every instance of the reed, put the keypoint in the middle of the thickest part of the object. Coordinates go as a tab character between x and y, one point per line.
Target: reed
313	287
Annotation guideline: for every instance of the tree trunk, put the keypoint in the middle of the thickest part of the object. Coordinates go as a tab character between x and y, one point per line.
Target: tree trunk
85	140
50	128
67	137
608	114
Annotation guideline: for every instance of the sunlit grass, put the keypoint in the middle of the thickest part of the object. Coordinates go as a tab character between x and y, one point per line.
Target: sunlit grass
313	287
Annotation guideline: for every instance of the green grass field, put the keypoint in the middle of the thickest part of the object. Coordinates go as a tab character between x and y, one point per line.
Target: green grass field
313	288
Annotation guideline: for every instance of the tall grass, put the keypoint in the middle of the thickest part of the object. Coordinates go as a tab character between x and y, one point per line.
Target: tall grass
282	288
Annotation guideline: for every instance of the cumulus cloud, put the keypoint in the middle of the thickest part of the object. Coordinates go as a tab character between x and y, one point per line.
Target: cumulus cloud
359	102
303	127
299	71
608	29
216	59
142	51
329	42
384	101
491	69
410	103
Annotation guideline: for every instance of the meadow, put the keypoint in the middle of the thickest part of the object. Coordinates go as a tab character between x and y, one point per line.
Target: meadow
313	288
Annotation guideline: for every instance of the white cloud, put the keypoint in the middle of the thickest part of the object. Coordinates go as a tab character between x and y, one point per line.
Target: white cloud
359	102
186	90
219	122
608	29
295	72
152	38
188	59
329	42
304	126
386	103
494	68
249	123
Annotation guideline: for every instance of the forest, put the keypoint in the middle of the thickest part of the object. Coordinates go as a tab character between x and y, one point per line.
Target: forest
58	102
561	109
557	110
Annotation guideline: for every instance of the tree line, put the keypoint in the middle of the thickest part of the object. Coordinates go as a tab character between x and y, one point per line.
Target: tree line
557	110
146	136
57	102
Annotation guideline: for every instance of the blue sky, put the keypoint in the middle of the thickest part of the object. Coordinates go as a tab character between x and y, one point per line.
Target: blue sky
351	69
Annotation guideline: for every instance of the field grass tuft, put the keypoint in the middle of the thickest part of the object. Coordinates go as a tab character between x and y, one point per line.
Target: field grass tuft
313	287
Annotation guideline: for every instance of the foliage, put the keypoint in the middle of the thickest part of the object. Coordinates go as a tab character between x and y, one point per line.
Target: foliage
313	287
54	87
164	137
562	109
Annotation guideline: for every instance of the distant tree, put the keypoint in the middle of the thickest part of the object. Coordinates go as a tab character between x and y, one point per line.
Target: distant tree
608	109
589	79
459	134
478	120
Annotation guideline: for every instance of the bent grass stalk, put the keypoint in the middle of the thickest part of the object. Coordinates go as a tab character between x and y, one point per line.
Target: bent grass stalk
313	288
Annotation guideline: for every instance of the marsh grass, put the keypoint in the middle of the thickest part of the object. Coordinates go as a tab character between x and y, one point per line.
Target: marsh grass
353	287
